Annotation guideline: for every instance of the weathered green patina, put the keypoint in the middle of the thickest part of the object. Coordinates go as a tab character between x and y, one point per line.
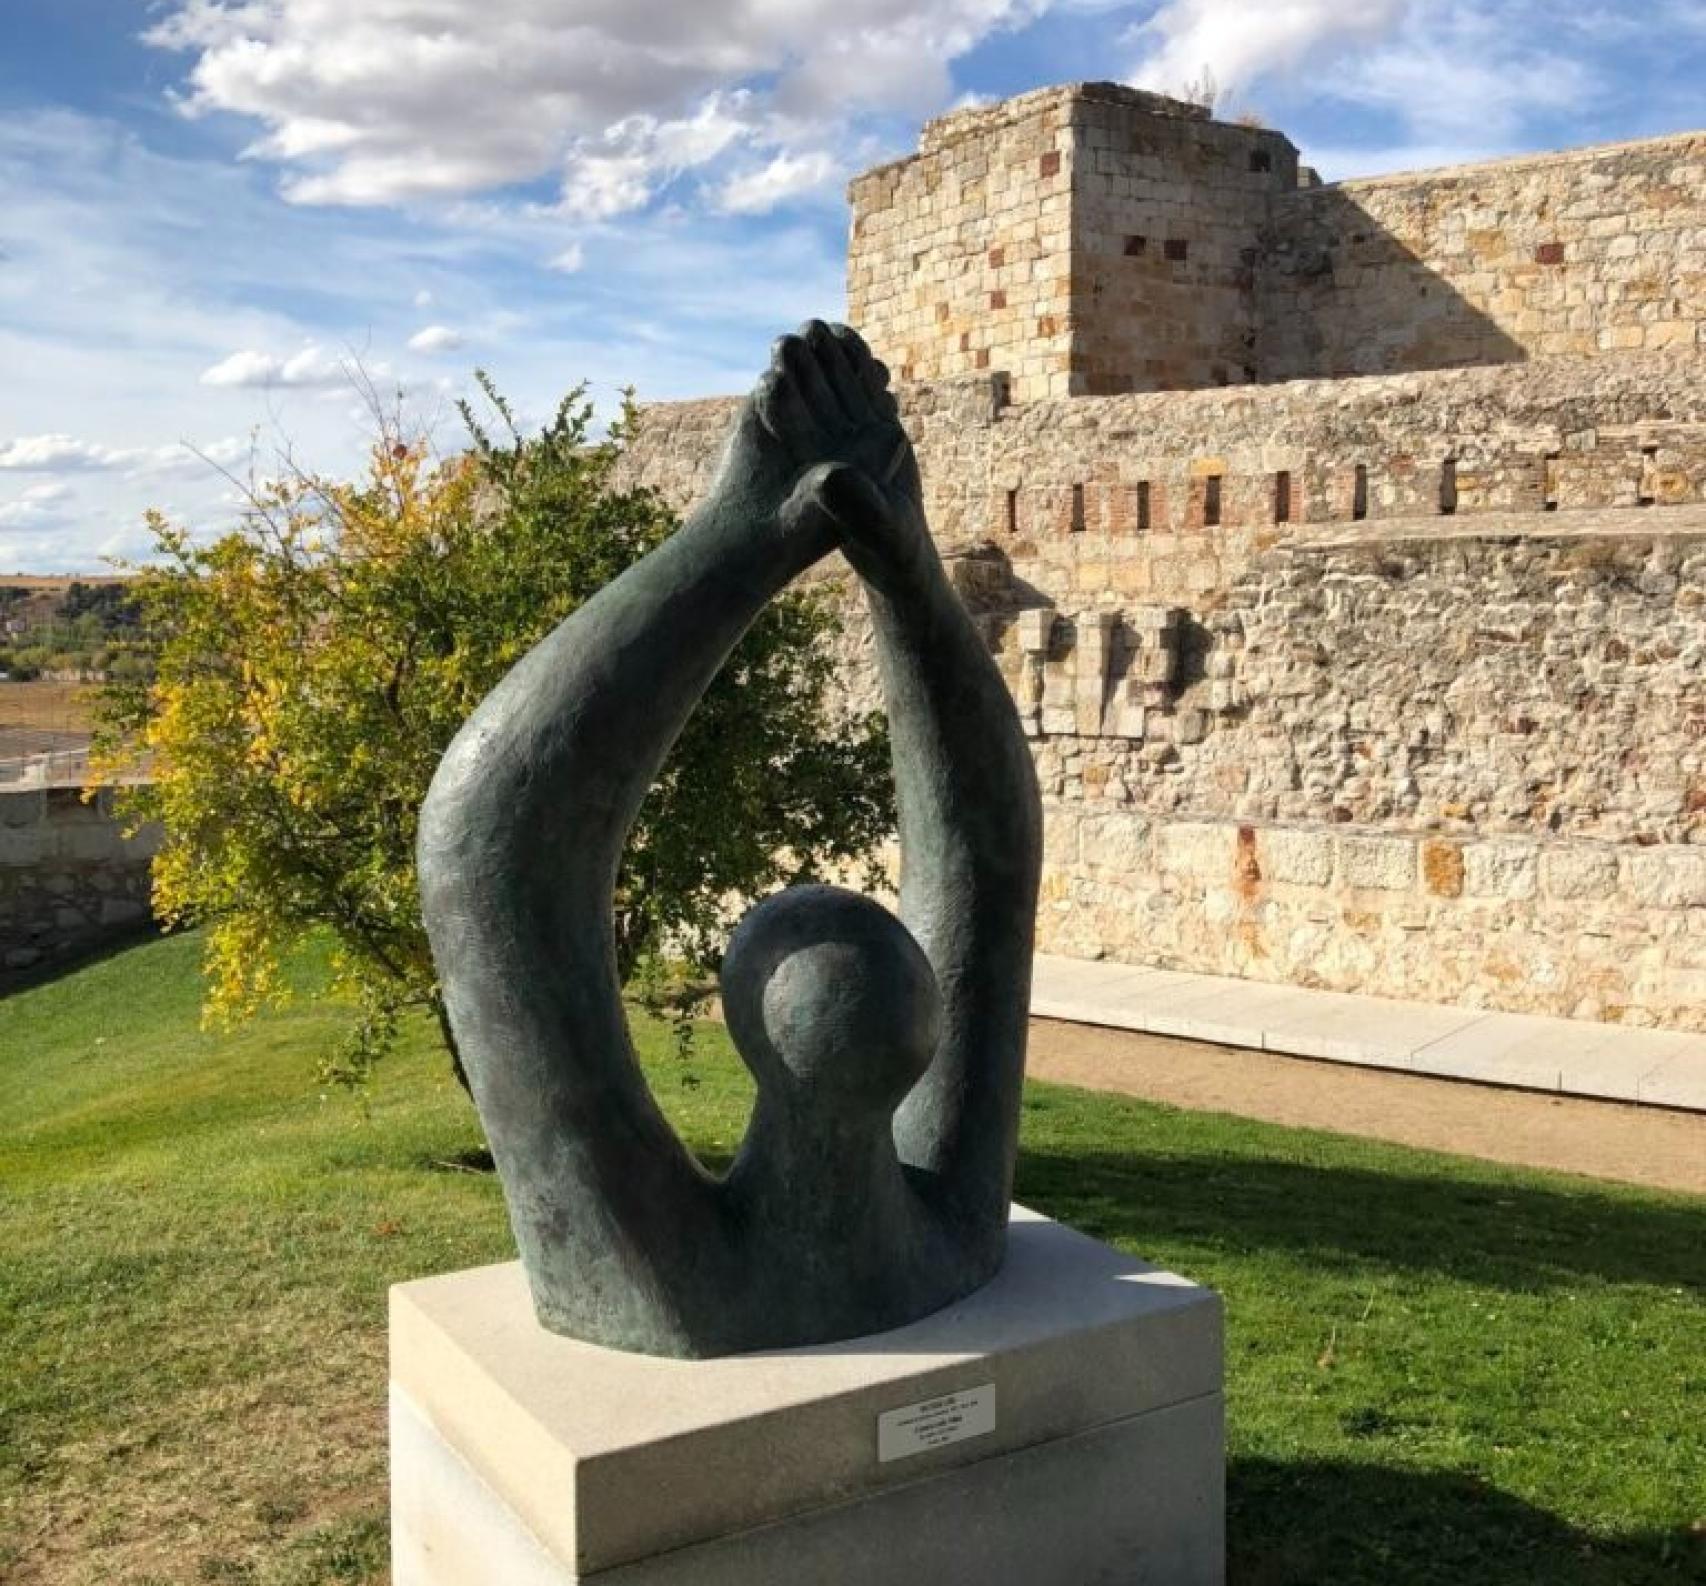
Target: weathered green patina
874	1181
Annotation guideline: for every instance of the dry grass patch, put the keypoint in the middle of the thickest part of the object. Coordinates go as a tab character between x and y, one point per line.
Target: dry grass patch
46	707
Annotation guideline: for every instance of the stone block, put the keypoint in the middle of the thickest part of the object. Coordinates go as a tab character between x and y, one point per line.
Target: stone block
1383	864
1678	1082
1500	870
1513	1050
1579	873
1667	878
23	809
1036	630
123	911
1130	721
1224	695
23	847
1153	665
1119	842
1062	1425
101	843
1297	858
1190	726
1095	632
1197	848
1150	620
1061	827
1443	869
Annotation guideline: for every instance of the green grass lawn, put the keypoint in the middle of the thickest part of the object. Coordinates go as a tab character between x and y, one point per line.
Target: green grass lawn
1439	1371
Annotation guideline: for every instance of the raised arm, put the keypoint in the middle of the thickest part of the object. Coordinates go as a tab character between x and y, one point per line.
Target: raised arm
970	828
521	836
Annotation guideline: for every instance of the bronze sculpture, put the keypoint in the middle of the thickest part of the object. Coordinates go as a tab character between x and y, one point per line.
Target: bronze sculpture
873	1185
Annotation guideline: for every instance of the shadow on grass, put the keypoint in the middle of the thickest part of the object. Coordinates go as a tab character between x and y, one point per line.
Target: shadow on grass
1314	1522
1513	1236
109	944
475	1159
1484	1230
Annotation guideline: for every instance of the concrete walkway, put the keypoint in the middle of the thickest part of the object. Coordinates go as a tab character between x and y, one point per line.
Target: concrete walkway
1565	1056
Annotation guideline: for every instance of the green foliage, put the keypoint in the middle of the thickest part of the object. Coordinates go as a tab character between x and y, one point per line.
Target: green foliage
310	667
100	609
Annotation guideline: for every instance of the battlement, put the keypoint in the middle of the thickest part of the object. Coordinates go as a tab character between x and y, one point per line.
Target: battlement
1093	240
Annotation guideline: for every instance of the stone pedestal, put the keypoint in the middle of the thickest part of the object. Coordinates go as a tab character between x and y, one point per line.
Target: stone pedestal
1062	1427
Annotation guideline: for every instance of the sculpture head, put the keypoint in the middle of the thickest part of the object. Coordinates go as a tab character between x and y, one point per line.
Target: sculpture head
829	996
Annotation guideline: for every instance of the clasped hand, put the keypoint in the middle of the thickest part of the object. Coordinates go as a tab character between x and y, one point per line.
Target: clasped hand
819	446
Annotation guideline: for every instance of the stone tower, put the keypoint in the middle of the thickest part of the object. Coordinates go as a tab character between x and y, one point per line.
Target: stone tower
1084	241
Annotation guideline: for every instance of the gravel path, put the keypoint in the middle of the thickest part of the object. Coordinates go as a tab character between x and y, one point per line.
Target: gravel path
1637	1145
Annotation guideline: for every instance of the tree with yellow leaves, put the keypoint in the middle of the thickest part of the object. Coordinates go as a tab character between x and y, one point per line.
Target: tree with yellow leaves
310	666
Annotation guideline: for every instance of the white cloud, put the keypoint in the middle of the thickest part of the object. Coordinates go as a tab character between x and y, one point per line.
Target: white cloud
1235	43
387	103
39	507
1461	71
22	515
756	104
251	369
423	298
571	261
786	176
66	454
191	458
49	490
436	339
1458	74
620	171
59	454
600	186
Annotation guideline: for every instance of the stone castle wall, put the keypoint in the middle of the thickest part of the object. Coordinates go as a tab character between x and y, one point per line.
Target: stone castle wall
1436	730
70	880
1344	547
1093	240
1565	255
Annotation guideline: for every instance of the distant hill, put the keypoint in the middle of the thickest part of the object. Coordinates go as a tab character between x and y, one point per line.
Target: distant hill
63	626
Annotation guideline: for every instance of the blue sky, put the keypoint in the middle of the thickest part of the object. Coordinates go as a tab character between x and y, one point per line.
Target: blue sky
212	210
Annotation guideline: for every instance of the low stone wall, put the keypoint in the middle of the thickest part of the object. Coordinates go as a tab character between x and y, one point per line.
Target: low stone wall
1100	499
70	880
1574	929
